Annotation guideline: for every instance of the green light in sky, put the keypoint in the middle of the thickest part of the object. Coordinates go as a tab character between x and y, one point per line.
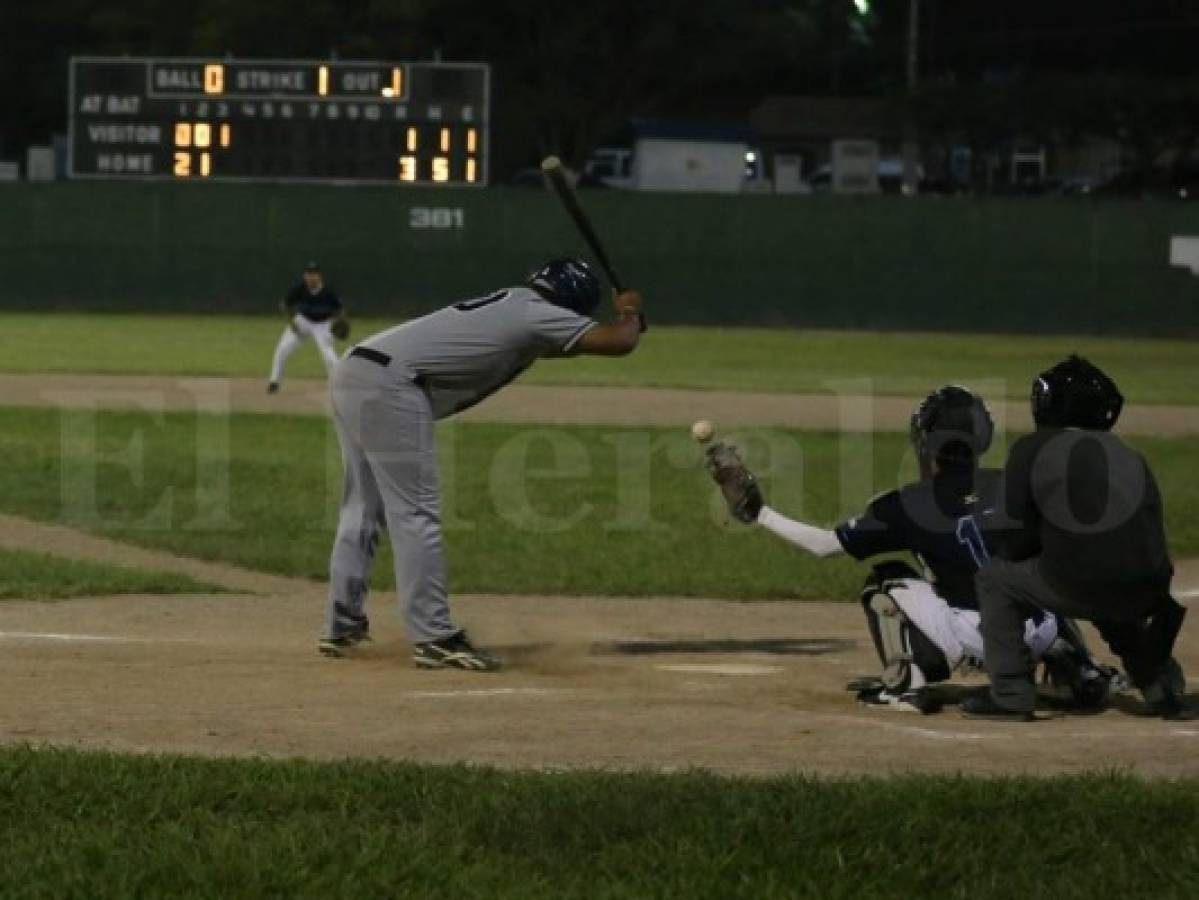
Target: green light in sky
863	6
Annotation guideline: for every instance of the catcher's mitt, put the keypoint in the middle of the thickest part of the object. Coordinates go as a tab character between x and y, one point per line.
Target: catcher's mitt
340	329
737	483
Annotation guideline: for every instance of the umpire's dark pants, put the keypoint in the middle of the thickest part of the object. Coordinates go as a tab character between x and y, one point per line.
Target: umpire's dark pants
1008	592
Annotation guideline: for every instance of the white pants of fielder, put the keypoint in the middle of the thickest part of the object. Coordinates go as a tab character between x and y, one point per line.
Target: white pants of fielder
297	331
956	631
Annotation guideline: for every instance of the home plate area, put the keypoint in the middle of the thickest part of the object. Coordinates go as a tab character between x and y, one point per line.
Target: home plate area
658	684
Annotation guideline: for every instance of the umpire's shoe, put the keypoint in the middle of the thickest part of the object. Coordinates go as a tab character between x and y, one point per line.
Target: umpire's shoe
453	652
983	706
1166	697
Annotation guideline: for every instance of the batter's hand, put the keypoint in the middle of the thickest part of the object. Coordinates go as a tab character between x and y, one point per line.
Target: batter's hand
628	306
627	303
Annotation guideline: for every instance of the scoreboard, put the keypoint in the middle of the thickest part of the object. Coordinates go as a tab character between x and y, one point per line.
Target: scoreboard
279	120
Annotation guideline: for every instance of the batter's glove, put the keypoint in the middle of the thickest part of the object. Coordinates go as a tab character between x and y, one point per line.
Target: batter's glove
340	329
737	483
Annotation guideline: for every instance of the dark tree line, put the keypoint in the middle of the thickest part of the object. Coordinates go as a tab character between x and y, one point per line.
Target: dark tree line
1153	119
568	74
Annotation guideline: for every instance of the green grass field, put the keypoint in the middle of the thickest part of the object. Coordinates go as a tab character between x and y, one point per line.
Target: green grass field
99	825
527	510
1149	371
40	576
602	511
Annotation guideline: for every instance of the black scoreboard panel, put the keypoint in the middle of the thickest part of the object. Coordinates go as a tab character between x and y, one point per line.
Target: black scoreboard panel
273	120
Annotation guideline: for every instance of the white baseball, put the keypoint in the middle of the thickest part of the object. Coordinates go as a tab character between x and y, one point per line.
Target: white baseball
702	431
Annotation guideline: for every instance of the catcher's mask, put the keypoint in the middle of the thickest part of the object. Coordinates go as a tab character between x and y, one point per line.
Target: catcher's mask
1076	394
951	427
568	282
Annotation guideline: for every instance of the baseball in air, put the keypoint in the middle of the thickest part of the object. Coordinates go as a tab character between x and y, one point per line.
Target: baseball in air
702	431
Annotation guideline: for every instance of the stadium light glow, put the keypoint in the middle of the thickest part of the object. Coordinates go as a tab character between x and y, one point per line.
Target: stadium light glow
863	7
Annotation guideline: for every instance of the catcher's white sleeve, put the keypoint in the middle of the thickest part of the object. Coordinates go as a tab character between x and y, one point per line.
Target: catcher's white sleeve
817	541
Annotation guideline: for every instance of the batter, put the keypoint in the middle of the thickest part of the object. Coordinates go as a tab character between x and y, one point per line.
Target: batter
386	395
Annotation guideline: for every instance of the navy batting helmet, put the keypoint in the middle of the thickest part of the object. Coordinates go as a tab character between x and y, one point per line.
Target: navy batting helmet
951	426
1076	394
568	282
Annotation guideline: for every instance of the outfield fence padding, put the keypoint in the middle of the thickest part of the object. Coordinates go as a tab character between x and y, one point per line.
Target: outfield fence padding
1026	265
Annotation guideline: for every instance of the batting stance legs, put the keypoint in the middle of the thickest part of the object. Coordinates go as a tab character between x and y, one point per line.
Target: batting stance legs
385	428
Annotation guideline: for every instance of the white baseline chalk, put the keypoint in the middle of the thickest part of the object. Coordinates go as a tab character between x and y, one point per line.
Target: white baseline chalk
489	692
85	638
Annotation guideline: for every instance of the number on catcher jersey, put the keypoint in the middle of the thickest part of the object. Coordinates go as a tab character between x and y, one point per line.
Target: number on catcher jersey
970	536
933	518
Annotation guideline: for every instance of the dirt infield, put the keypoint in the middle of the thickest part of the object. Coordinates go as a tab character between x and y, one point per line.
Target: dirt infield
540	404
627	684
663	684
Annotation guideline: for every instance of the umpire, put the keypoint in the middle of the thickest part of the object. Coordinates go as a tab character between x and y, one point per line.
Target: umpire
1086	540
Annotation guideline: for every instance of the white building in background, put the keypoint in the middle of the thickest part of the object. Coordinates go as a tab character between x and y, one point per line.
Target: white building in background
680	156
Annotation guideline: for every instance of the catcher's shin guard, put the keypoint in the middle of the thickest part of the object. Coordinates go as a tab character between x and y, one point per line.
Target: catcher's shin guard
1070	668
909	658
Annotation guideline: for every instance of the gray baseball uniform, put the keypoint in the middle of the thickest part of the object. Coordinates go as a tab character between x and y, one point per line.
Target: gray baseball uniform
386	394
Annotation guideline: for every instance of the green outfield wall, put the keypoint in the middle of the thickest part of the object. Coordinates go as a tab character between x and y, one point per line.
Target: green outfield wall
880	262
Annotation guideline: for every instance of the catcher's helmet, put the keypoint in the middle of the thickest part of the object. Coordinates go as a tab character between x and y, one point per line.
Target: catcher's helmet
568	282
1075	394
951	426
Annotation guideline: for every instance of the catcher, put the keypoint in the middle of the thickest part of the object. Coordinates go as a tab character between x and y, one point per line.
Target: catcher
314	311
925	626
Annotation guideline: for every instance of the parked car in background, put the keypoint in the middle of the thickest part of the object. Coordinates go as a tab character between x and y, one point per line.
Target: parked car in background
890	176
1179	182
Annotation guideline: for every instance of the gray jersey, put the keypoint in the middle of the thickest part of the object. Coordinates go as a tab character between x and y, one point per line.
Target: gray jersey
465	352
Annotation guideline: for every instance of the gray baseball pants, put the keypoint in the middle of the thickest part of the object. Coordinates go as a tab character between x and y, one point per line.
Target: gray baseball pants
385	428
1008	592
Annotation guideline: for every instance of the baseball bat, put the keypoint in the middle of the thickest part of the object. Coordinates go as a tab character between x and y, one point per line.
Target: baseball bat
552	167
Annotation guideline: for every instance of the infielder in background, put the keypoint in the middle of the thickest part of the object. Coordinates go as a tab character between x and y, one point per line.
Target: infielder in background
1087	540
925	626
313	311
387	393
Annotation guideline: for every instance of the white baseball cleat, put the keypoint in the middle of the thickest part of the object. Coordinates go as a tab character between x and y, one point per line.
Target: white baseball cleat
919	700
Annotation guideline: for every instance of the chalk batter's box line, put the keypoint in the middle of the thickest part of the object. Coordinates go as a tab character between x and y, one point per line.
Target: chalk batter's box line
87	638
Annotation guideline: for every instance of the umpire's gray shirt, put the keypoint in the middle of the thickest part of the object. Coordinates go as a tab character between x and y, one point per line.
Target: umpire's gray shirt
465	352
